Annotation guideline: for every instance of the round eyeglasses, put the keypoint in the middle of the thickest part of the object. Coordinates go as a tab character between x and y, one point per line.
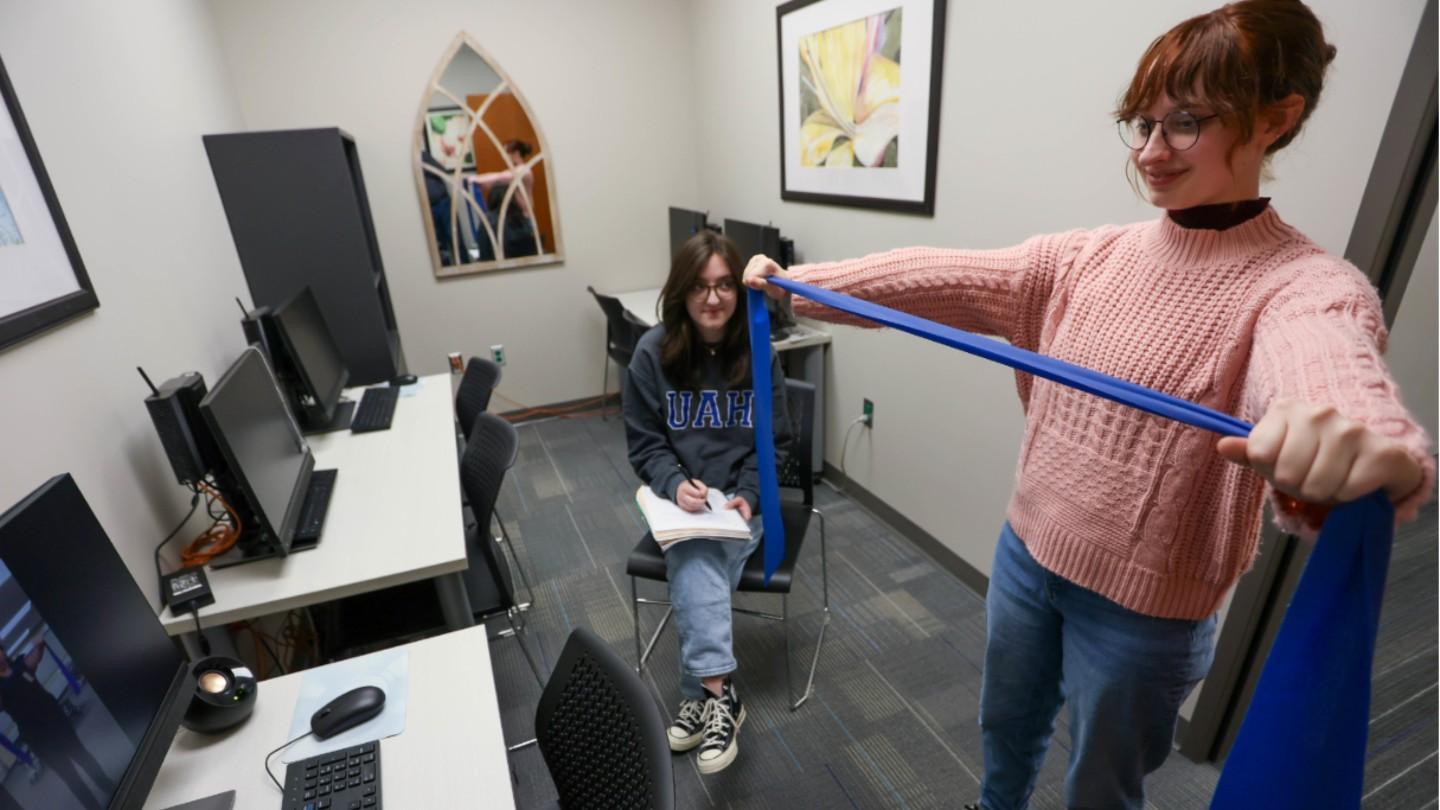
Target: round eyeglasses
724	290
1180	130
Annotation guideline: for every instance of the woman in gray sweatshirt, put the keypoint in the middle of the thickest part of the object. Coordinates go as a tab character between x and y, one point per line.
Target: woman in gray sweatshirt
689	406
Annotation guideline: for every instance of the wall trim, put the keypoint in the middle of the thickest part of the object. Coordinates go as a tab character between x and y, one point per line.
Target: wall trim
910	530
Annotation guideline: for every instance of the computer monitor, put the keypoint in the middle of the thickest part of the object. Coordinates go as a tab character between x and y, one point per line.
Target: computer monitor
304	350
684	224
93	687
267	457
753	240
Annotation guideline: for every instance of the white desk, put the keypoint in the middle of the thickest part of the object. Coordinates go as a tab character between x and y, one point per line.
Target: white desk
805	346
451	754
394	517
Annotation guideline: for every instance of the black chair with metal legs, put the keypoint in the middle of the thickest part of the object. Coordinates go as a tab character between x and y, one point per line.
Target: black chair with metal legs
622	332
647	561
473	396
488	455
600	732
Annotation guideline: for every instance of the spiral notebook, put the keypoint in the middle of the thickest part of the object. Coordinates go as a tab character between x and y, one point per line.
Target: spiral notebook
670	524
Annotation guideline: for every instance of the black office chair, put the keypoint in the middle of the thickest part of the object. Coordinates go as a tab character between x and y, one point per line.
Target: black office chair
601	733
647	561
488	454
622	332
473	396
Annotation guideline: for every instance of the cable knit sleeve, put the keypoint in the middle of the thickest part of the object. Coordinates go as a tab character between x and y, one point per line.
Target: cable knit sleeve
994	292
1320	340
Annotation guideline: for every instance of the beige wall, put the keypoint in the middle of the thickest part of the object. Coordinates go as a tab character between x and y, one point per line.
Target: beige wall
610	84
1026	146
117	96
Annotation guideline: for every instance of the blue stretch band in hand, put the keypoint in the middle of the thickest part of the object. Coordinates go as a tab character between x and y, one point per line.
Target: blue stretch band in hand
1302	744
773	541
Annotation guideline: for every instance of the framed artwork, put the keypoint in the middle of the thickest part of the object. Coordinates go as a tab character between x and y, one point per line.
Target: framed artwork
860	101
42	280
447	137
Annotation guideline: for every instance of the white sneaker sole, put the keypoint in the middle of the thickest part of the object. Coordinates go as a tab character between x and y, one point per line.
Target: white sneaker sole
720	763
682	744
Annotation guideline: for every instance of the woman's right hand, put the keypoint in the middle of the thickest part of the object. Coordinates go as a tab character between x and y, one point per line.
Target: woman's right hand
757	273
691	496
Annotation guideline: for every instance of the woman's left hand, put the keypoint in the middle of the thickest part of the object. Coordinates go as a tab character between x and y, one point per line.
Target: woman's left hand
1313	453
740	504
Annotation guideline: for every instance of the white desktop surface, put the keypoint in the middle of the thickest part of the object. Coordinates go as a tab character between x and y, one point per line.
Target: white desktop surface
451	754
394	517
641	304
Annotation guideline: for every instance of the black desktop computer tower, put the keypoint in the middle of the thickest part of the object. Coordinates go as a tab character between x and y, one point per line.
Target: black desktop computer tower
188	444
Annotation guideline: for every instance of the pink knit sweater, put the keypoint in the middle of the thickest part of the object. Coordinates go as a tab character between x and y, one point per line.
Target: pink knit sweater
1139	508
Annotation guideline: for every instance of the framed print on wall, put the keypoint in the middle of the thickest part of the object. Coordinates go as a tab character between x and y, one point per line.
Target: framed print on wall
42	280
860	101
447	133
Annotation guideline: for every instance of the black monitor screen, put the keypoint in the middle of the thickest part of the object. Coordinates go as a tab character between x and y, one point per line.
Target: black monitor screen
312	350
683	225
753	240
262	445
91	688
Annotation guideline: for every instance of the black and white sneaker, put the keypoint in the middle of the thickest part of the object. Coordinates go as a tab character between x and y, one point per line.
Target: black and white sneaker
689	726
722	729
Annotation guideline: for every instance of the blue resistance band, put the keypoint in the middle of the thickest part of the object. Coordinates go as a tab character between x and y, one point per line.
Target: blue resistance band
1302	744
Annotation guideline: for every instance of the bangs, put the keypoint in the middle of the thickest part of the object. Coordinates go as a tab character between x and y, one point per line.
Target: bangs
1199	63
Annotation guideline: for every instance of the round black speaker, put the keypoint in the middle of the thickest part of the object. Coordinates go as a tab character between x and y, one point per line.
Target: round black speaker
224	695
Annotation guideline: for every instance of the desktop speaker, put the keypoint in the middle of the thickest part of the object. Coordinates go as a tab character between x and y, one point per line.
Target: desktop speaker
175	410
224	695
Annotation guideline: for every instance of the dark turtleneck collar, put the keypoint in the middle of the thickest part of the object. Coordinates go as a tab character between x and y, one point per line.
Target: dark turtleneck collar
1219	216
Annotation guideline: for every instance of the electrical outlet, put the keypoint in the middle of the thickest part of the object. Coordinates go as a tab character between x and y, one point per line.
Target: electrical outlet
497	353
869	413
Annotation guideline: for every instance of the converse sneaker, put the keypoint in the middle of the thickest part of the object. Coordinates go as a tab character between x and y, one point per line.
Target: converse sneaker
689	725
719	746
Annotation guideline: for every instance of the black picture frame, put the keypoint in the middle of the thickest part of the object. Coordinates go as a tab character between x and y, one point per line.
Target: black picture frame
22	324
925	206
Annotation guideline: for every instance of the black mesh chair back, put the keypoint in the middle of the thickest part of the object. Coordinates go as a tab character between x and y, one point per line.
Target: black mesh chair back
473	396
622	331
600	732
488	454
795	471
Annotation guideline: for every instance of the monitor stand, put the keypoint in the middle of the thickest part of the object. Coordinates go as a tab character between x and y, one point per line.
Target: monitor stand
220	801
344	413
254	550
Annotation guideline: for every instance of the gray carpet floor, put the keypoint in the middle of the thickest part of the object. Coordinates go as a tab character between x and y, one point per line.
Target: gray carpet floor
893	722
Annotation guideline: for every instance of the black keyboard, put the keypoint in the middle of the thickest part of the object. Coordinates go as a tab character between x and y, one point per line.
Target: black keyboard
339	780
376	409
316	506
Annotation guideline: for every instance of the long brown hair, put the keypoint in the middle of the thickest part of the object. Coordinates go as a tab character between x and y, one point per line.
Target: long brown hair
681	351
1237	60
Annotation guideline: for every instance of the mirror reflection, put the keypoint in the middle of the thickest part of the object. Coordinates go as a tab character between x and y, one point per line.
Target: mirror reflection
482	170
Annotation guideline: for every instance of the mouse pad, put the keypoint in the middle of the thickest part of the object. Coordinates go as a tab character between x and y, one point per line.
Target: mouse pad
387	669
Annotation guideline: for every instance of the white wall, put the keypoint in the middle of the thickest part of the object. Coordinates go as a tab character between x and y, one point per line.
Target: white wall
1026	146
610	87
117	96
1414	335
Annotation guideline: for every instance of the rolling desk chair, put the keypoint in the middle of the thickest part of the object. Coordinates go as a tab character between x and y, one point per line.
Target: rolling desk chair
488	454
647	561
622	332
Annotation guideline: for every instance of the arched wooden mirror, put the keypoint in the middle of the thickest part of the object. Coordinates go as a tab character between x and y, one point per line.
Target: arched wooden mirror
487	194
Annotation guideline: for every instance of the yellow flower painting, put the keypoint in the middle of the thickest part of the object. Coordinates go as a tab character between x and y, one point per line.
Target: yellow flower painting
850	94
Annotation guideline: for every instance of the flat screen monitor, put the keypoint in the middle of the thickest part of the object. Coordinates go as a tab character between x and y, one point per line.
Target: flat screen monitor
684	224
317	371
753	240
91	687
266	455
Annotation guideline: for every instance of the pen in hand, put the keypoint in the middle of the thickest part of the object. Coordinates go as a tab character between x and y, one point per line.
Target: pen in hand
692	480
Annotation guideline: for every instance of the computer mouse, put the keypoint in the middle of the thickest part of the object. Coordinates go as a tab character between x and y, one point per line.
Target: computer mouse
403	379
347	711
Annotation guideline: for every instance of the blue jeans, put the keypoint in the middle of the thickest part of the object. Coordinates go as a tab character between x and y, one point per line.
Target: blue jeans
1123	673
702	574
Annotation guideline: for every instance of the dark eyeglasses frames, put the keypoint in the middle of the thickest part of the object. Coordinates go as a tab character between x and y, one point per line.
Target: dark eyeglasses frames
1180	129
